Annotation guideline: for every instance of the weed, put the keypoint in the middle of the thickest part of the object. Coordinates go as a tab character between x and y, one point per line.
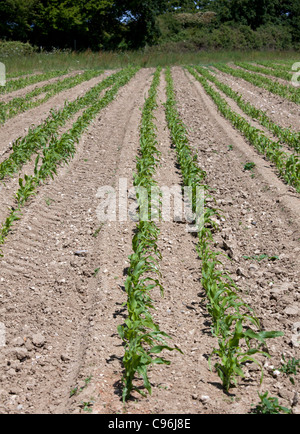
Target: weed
290	368
249	166
261	258
269	405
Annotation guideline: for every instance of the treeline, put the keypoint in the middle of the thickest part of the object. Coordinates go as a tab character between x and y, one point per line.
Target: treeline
132	24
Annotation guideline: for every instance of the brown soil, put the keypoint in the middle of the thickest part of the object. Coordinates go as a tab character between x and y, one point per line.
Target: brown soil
61	316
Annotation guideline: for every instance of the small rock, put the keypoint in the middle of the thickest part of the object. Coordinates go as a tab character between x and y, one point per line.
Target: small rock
81	253
241	272
204	399
38	340
28	345
291	311
15	390
18	342
295	399
65	358
21	354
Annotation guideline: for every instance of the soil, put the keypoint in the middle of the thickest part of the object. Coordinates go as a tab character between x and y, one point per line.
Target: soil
63	271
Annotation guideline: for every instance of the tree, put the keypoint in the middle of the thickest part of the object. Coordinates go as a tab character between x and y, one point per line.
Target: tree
141	20
16	19
104	28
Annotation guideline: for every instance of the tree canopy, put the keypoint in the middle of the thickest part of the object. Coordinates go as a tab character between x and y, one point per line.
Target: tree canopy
111	24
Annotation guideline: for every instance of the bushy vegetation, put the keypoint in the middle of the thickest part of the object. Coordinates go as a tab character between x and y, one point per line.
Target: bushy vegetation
15	48
203	31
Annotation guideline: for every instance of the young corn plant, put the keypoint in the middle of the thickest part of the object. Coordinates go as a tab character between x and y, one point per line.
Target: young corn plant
29	101
282	90
13	85
233	355
285	135
279	73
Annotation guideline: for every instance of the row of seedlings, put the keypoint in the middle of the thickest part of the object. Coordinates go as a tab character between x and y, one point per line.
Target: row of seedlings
31	100
288	165
235	324
278	72
143	340
21	83
38	137
285	135
288	92
60	151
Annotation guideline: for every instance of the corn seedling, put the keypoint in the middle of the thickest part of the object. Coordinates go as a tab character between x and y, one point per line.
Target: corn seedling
38	138
29	101
287	92
13	85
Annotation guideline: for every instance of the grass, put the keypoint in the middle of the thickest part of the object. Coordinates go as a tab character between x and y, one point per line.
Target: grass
149	57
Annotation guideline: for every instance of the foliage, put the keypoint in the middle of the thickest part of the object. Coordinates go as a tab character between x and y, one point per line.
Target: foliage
288	165
290	368
267	83
230	36
30	100
269	405
13	85
285	135
38	137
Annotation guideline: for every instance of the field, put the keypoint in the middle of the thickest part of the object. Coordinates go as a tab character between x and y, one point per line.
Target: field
161	314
